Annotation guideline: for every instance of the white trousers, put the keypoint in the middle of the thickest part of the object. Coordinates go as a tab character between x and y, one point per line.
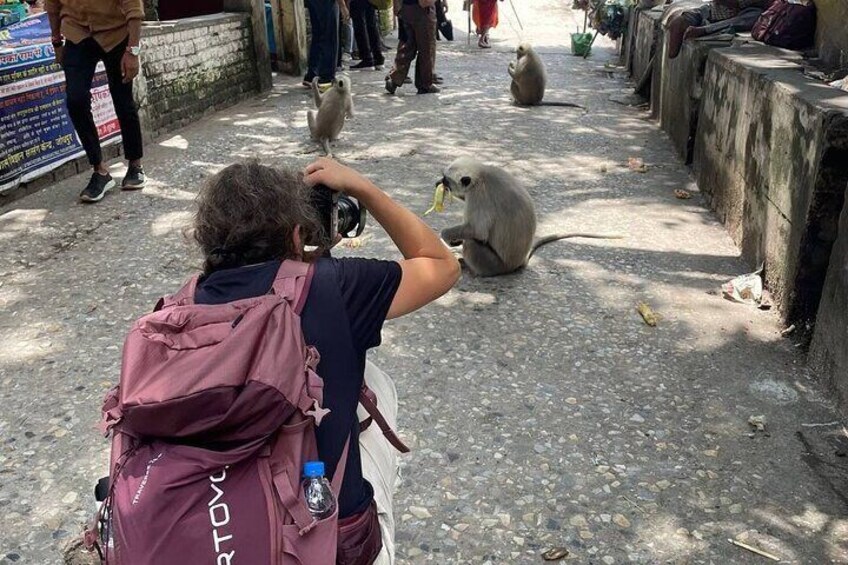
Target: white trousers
379	458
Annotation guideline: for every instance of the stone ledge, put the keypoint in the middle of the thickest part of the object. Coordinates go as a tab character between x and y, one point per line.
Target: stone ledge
154	29
771	157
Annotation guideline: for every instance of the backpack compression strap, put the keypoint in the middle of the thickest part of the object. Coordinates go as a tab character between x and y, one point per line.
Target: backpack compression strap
368	400
292	283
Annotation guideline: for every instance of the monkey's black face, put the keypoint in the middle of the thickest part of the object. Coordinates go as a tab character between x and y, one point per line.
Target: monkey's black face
457	189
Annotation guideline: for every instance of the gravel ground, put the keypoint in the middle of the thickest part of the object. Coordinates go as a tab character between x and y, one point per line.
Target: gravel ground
543	412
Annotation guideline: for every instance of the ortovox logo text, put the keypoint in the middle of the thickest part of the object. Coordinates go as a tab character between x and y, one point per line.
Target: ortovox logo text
219	516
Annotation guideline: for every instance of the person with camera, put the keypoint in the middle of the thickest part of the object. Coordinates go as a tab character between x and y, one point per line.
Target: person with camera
252	217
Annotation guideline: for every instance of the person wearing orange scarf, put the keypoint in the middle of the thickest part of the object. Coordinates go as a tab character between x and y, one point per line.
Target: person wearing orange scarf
485	14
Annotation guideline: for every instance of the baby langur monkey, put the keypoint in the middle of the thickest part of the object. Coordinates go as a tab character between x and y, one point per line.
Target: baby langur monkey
497	235
333	107
529	79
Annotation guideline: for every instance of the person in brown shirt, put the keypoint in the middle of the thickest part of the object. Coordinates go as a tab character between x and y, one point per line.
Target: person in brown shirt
85	32
418	18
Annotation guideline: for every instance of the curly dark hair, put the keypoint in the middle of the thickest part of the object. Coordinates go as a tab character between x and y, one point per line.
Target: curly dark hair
247	213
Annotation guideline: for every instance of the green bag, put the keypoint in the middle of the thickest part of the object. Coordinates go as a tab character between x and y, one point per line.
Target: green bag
381	4
581	44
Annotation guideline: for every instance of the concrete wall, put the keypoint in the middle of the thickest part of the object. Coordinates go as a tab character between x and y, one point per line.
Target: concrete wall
771	156
829	350
679	93
831	35
192	67
647	28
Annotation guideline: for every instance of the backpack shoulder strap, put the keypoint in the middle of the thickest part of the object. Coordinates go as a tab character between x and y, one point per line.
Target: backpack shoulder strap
292	283
183	296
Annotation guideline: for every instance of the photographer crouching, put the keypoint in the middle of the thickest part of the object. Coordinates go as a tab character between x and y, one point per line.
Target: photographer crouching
230	425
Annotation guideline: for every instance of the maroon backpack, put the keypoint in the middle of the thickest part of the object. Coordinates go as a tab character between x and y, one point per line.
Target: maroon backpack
791	25
211	424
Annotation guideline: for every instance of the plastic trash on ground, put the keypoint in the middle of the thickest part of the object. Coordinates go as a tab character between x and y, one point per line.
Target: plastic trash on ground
745	289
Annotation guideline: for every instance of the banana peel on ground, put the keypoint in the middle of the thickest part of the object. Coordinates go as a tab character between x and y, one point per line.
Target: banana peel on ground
651	318
439	199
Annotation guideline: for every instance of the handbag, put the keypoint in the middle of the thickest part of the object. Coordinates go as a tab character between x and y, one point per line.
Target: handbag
787	24
443	24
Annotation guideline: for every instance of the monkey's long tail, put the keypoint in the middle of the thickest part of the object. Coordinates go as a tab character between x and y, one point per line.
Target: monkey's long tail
562	104
556	237
325	143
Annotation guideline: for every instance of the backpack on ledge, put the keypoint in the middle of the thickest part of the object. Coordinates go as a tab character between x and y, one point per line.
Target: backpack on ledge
212	421
790	24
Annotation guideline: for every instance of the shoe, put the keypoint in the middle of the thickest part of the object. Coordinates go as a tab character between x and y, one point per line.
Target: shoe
433	89
407	80
355	56
97	187
134	179
379	64
437	79
391	87
362	65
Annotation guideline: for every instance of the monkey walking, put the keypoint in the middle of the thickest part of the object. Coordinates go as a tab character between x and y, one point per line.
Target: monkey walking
497	234
529	79
333	107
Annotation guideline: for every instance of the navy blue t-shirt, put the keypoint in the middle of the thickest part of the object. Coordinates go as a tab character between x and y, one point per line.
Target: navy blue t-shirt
342	318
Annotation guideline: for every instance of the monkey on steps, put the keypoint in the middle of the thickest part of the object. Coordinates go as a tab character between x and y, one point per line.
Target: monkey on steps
498	231
529	79
333	107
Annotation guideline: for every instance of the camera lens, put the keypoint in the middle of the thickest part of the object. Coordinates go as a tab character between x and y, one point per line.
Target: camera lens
349	216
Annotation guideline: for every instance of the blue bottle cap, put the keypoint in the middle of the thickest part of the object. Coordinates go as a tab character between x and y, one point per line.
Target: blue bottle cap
313	469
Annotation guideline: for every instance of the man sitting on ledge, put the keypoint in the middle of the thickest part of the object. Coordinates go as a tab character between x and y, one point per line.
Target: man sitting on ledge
718	16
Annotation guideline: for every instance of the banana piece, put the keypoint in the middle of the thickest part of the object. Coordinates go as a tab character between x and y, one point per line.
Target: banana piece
439	199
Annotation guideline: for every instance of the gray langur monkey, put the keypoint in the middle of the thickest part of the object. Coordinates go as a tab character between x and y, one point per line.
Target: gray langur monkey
333	107
529	79
498	231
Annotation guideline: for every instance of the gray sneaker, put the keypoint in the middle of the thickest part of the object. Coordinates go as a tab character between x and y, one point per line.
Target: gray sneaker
135	179
97	187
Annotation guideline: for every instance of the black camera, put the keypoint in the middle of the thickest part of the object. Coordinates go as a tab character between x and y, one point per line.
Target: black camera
339	215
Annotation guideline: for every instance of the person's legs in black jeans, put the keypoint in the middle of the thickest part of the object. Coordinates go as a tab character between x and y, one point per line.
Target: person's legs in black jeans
323	51
374	38
79	64
125	108
357	15
313	8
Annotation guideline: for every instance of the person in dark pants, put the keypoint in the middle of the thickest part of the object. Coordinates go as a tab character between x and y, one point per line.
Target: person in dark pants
83	34
419	26
324	46
367	32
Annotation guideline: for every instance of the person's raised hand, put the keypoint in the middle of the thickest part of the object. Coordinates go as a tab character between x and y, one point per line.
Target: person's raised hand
334	175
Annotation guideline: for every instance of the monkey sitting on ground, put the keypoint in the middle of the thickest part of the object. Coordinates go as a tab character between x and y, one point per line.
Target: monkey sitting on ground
500	219
529	79
333	107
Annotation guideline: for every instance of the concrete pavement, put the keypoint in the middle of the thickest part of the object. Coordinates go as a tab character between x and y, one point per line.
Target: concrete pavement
542	411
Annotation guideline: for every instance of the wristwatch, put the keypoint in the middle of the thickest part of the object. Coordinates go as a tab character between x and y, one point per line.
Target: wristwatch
134	50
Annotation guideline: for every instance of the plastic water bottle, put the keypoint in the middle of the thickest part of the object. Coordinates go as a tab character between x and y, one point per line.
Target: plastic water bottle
319	496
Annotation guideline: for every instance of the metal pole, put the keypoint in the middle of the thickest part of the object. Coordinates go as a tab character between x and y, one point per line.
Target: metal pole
468	37
514	11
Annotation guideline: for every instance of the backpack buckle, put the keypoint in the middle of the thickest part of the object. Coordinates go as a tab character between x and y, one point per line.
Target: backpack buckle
317	412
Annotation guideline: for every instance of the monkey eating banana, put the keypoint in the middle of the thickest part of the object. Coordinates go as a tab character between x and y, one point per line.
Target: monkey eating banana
529	79
333	107
499	227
